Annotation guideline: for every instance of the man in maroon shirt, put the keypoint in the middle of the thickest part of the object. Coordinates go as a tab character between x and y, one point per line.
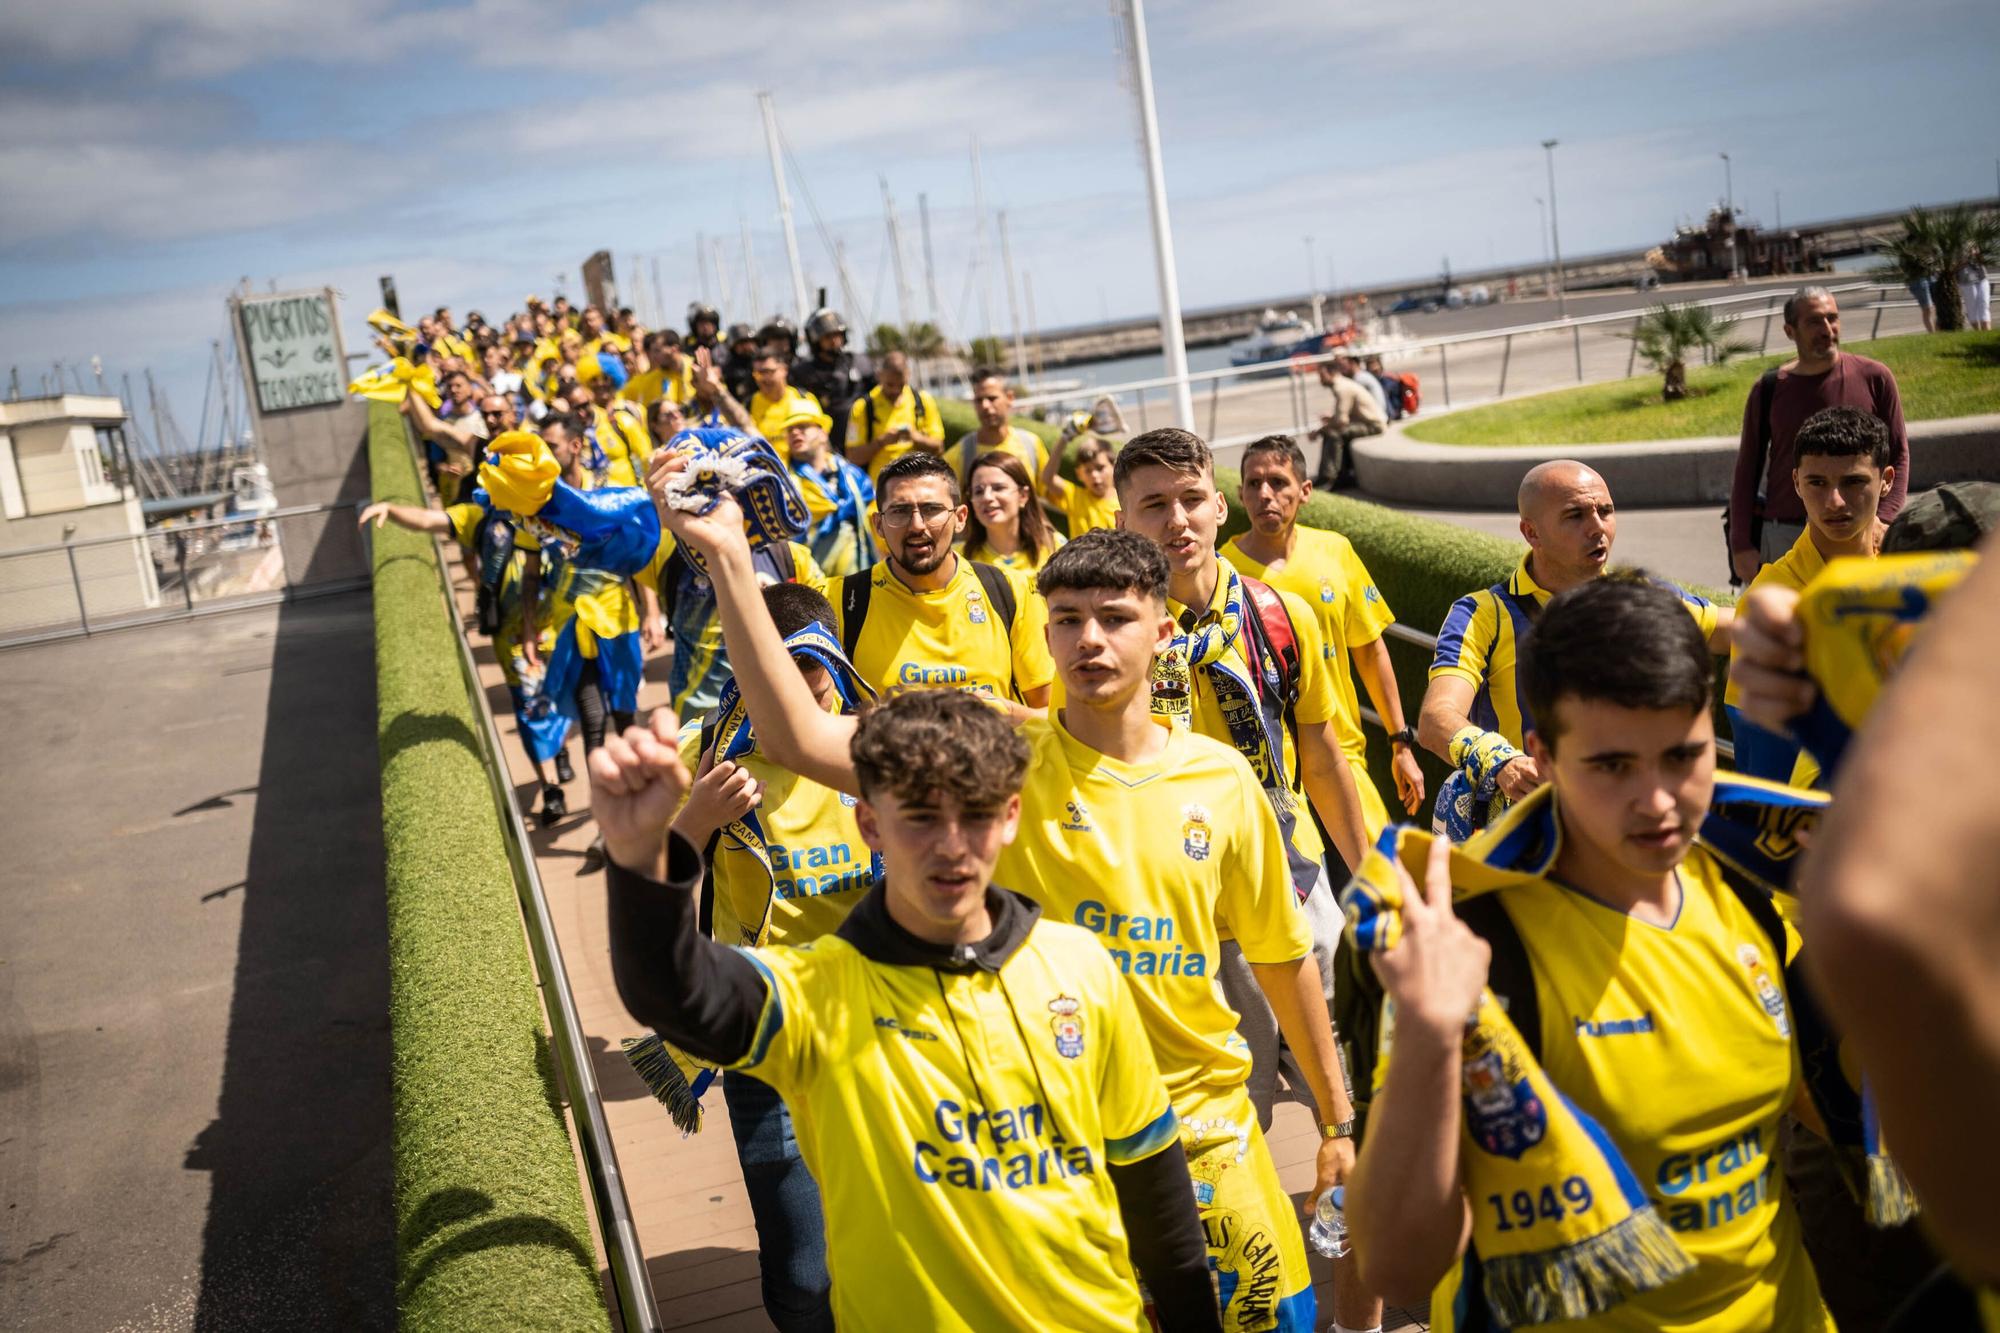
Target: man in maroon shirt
1822	376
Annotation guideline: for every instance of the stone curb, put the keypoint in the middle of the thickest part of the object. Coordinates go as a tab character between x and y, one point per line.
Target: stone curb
1649	474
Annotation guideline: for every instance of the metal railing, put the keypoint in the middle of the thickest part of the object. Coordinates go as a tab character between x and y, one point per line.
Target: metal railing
637	1308
1242	403
173	573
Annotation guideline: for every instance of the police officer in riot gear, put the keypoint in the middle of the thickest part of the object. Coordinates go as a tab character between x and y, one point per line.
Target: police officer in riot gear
830	372
704	323
736	361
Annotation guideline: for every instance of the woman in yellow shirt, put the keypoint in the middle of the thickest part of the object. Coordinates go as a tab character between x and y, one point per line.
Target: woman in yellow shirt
1006	526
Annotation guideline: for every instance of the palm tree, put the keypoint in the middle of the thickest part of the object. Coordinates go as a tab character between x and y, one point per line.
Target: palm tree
885	339
988	352
922	339
1934	245
1668	334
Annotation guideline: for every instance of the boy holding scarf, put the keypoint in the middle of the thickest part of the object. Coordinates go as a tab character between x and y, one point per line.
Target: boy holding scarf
1629	1181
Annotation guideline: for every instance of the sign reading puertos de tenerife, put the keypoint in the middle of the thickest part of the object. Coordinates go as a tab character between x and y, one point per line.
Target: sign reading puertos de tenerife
291	345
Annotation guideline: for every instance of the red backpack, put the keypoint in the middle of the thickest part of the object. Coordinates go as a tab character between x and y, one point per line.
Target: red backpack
1410	395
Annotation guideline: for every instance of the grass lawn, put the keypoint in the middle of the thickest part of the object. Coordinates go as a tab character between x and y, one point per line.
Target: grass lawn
1939	375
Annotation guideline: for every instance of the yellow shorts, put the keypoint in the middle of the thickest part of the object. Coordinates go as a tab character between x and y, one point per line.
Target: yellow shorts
1254	1243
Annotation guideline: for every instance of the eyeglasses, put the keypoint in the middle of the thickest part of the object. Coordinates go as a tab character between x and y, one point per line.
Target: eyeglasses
901	516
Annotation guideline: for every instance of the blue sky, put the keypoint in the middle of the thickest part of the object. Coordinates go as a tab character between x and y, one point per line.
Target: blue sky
153	152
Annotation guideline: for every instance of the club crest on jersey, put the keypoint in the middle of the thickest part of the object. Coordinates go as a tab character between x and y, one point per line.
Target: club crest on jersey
1326	591
1768	994
1503	1113
1067	1024
1194	832
847	799
1076	819
975	606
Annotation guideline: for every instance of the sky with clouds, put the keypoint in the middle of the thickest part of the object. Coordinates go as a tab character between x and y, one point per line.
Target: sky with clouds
154	152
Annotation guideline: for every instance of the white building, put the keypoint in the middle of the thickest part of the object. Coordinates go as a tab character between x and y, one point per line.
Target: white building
66	479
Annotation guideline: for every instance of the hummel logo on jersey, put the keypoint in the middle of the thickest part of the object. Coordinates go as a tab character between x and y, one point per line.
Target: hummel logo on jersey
1614	1027
914	1034
1076	819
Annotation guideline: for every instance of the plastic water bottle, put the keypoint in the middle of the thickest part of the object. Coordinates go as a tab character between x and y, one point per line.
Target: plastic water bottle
1328	1232
538	705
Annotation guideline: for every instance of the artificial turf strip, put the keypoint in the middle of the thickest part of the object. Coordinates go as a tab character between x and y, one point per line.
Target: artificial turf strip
491	1231
1938	375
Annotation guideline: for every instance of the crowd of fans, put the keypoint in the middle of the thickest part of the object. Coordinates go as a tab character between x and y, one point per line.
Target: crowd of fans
993	844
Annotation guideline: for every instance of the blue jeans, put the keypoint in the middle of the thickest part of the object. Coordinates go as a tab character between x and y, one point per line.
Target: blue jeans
784	1200
1761	753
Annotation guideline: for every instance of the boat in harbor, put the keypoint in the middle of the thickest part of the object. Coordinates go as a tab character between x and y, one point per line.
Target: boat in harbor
1277	337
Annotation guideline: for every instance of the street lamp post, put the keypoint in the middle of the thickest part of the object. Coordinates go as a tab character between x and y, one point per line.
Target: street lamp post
1729	210
1542	230
1555	233
1173	338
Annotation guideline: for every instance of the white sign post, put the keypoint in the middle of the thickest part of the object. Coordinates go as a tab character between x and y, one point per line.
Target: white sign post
291	350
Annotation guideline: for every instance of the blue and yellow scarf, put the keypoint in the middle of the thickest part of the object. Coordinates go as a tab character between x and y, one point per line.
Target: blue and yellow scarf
1255	717
1521	1132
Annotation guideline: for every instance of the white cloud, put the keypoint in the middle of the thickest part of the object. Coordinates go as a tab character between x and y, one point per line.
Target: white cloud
141	192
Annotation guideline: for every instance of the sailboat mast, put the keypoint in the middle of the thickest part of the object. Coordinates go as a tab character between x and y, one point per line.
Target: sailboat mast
799	304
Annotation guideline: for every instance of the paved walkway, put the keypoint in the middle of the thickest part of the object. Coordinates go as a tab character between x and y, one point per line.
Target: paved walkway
194	1044
687	1194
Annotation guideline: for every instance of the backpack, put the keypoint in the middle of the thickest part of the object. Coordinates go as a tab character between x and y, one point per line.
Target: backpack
1767	389
776	559
857	588
1357	993
917	414
1407	382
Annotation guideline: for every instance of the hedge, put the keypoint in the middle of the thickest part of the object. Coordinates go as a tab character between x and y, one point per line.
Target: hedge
491	1230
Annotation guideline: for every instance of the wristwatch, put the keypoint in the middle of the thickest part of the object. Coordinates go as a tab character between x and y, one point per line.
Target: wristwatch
1343	1130
1407	736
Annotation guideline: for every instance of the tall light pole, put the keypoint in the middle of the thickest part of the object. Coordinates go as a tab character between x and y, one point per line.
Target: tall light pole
1542	231
1173	340
1729	209
1555	233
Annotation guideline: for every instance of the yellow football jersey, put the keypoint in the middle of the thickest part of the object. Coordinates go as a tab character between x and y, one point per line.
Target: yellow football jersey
1158	861
1324	572
959	1125
811	870
1022	444
766	413
1315	707
1794	569
650	386
913	409
1019	561
1677	1041
1085	511
950	636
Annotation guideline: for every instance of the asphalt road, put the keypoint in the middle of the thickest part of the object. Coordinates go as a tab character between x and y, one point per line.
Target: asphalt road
1507	314
194	1049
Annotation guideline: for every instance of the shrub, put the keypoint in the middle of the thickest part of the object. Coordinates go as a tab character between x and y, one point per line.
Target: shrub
491	1231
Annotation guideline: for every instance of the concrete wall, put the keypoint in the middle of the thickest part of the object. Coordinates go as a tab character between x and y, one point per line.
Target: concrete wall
1651	474
316	455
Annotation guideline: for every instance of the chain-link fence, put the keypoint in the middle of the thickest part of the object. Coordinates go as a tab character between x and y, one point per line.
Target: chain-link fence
177	570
